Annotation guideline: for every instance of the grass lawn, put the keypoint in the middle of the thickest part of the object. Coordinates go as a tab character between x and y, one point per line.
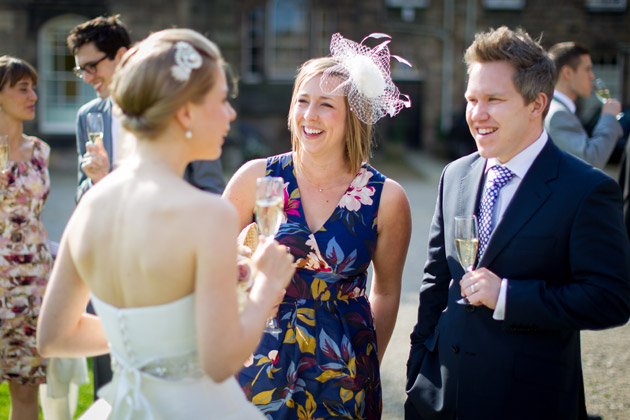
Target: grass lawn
85	397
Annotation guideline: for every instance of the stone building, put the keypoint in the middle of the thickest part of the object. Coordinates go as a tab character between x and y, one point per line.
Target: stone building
265	40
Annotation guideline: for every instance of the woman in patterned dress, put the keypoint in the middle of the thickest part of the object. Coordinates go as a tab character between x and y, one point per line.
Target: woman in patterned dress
25	259
340	216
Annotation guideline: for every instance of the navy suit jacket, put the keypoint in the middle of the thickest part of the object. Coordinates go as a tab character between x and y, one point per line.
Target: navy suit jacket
624	183
206	175
562	246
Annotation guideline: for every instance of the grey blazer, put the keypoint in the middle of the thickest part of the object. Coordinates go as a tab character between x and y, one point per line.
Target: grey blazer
206	175
566	130
103	106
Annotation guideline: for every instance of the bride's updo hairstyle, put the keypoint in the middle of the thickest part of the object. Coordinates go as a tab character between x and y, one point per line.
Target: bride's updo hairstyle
161	74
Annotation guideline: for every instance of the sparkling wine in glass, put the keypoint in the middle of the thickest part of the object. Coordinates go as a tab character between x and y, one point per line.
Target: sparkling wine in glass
269	209
603	93
466	244
4	152
95	127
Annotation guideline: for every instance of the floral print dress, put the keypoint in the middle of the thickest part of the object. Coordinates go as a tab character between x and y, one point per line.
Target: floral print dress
25	264
324	364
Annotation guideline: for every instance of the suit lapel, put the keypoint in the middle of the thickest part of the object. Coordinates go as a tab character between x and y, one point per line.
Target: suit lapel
470	188
527	200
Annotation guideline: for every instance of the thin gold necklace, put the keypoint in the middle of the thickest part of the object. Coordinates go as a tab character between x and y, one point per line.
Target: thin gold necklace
320	189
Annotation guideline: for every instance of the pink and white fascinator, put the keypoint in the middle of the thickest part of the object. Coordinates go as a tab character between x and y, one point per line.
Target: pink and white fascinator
363	75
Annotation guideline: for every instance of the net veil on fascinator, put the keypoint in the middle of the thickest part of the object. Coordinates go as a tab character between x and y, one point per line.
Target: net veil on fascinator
363	75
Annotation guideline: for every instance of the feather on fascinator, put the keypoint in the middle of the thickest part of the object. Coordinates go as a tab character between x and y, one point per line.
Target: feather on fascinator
363	75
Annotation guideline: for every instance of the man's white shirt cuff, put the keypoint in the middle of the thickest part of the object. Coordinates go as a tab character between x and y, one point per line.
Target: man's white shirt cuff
499	311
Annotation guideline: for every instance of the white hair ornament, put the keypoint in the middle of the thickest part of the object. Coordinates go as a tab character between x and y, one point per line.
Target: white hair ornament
187	59
366	78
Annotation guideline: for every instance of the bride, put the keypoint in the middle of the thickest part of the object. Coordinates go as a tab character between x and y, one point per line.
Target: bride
157	256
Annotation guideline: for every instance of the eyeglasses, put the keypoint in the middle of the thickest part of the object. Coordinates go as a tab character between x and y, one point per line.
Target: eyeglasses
89	68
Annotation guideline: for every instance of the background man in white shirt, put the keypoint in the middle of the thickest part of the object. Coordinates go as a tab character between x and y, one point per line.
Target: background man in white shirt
575	79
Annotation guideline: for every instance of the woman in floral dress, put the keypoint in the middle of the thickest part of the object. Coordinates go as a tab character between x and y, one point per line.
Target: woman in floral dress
25	259
341	214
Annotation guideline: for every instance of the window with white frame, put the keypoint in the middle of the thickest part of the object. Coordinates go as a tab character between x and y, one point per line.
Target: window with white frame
288	37
254	45
504	4
61	93
606	5
281	36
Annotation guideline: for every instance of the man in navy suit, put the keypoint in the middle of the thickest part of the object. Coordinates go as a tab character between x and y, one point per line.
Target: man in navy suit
557	259
624	183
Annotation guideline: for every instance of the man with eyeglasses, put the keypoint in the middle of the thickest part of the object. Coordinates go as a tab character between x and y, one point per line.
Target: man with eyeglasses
98	46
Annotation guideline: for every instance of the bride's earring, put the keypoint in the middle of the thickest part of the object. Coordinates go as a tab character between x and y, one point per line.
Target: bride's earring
188	134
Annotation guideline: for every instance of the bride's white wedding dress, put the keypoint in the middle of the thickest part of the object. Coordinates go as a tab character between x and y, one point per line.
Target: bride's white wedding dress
156	370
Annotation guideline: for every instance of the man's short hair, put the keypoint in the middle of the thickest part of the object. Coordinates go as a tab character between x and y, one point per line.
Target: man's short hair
534	71
567	54
108	34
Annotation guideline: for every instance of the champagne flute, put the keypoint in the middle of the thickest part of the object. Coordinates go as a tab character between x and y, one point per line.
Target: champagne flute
269	209
95	127
4	152
603	94
466	243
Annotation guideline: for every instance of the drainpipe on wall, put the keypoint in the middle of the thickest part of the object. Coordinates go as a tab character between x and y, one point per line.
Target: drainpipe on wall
448	24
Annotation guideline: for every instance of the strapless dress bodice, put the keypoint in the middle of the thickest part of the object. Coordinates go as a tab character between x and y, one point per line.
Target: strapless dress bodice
156	367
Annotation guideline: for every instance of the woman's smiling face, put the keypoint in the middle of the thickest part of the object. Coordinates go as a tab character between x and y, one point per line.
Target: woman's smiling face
319	119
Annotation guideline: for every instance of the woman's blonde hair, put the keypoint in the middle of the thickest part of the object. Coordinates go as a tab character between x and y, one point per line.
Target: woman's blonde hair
143	85
358	134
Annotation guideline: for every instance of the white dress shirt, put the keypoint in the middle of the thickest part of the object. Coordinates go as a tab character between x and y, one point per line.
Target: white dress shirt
519	165
565	100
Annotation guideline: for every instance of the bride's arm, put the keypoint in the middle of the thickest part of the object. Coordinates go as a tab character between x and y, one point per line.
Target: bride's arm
241	190
63	327
225	337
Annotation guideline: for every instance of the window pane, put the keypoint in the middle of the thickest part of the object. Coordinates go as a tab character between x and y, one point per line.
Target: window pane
606	5
253	44
61	92
289	37
324	26
504	4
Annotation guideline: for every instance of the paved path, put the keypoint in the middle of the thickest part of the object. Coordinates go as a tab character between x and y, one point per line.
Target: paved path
419	177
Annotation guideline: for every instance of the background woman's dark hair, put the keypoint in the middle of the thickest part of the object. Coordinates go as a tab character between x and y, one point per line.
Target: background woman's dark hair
109	34
12	70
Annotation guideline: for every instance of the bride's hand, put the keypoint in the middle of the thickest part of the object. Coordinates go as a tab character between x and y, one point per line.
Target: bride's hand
276	306
4	179
273	266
